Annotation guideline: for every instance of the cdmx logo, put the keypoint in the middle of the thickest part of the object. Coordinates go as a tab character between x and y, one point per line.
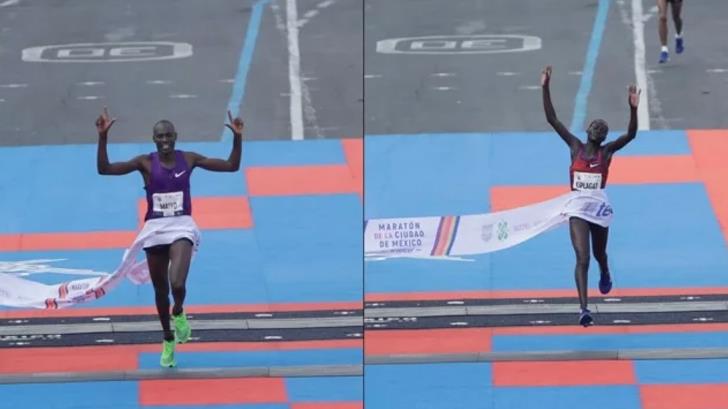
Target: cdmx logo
502	230
486	232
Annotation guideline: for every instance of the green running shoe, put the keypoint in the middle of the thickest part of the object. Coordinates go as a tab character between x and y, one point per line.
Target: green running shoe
167	358
182	330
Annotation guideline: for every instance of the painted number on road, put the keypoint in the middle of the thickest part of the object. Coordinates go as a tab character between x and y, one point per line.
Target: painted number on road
108	52
459	44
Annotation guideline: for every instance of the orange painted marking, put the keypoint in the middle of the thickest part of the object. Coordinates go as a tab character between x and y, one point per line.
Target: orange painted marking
711	396
629	170
430	341
193	309
222	212
510	197
354	153
709	147
501	294
300	180
710	150
563	373
212	391
77	359
66	241
327	405
623	170
211	213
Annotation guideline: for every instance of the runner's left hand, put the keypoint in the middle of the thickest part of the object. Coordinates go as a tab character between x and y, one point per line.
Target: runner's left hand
634	96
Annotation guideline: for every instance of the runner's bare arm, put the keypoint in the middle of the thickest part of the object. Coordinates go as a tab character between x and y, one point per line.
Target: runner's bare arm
548	108
103	166
232	164
619	143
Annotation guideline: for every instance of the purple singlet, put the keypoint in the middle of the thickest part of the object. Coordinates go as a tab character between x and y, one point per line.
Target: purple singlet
168	192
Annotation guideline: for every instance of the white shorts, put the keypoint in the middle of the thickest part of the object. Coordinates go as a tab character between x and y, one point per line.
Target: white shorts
167	230
590	205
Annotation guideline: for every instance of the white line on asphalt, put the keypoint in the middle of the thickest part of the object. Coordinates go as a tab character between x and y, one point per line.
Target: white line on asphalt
294	71
638	32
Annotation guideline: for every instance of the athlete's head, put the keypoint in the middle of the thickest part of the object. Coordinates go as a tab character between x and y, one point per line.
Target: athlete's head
597	131
164	136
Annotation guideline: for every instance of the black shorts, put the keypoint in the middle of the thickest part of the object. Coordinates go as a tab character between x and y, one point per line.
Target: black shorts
163	248
160	249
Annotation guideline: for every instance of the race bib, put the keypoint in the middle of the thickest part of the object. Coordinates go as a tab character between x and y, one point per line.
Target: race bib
587	181
168	204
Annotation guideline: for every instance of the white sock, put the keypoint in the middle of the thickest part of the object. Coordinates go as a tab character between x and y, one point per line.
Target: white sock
665	49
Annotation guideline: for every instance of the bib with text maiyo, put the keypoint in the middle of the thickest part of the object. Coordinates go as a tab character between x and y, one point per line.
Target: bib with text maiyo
168	204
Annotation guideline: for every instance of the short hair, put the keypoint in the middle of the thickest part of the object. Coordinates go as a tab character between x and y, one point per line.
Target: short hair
164	122
600	124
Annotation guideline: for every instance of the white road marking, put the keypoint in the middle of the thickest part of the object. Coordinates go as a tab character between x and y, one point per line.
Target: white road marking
638	33
294	71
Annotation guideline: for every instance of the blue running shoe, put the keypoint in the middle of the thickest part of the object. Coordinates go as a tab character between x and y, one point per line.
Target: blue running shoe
679	46
585	318
664	56
605	284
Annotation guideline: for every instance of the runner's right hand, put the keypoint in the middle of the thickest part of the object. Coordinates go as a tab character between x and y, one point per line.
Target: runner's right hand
236	125
104	122
634	96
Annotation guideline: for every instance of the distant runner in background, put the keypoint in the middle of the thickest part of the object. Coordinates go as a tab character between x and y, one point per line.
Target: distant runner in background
676	7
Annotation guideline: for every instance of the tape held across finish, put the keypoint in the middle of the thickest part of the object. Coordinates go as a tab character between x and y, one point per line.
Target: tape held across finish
444	236
26	293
